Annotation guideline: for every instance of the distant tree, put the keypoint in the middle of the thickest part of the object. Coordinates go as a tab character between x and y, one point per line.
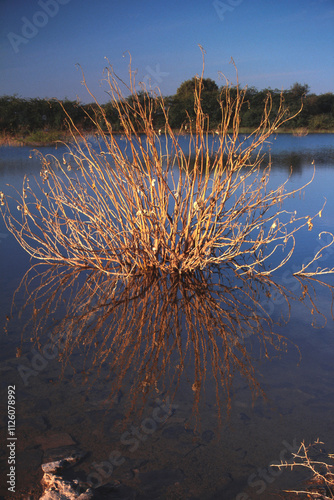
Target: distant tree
187	88
295	98
21	116
254	102
298	91
182	104
325	103
112	116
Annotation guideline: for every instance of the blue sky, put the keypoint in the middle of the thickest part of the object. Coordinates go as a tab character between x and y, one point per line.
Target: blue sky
274	43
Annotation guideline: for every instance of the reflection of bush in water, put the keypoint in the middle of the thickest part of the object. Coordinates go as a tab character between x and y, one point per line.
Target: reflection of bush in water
151	331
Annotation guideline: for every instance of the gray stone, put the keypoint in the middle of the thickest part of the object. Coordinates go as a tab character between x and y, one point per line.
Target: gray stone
245	418
42	404
176	432
38	423
62	458
208	436
153	482
54	440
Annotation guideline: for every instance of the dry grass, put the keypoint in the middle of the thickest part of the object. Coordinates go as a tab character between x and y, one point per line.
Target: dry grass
9	140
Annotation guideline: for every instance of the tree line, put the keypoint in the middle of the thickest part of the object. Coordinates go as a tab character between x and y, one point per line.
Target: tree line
19	116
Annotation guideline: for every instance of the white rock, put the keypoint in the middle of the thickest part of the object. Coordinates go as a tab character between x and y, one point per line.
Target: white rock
57	488
68	461
52	466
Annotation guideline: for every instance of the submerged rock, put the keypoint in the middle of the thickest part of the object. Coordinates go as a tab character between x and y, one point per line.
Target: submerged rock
57	488
71	458
55	440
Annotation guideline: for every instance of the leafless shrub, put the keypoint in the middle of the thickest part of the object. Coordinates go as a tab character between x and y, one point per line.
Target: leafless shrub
321	484
151	207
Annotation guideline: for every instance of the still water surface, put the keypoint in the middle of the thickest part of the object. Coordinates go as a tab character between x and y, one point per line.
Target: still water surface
164	448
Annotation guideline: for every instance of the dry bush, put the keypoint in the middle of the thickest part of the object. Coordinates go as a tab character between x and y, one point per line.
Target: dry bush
144	205
321	484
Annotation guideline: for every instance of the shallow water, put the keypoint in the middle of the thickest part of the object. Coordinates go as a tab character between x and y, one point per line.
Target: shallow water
164	450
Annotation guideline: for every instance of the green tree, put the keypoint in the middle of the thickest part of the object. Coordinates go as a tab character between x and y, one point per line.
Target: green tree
182	104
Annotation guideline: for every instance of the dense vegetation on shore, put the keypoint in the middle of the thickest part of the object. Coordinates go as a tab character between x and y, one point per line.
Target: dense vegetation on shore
37	120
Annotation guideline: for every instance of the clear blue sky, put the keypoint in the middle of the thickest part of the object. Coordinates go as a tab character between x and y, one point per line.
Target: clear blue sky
274	43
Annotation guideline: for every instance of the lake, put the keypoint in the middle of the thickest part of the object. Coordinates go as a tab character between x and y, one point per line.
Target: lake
134	375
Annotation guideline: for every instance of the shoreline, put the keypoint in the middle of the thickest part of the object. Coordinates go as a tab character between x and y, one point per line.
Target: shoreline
54	137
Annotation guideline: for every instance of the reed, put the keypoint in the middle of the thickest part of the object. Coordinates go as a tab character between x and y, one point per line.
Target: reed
151	207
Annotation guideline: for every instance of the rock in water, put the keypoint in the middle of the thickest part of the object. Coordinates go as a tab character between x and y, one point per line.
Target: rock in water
70	458
57	488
